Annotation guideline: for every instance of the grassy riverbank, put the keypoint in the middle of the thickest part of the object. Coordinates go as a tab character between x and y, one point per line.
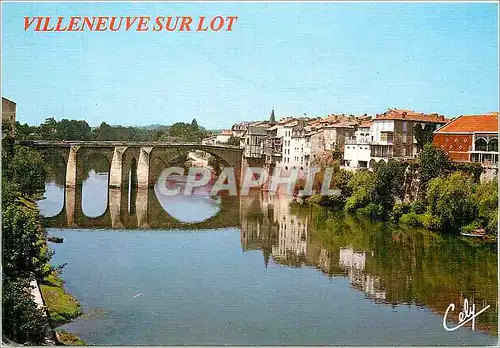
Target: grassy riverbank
430	192
68	339
62	306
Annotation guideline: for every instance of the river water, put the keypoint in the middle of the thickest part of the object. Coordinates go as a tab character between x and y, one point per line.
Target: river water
257	270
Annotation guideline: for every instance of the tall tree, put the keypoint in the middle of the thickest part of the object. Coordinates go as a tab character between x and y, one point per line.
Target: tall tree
423	135
432	163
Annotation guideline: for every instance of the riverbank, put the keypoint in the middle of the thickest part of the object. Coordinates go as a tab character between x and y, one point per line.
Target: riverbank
431	192
62	307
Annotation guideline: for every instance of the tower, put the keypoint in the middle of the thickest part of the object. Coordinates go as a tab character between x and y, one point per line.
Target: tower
272	119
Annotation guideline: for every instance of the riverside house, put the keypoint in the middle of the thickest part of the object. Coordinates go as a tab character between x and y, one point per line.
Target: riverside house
470	138
390	136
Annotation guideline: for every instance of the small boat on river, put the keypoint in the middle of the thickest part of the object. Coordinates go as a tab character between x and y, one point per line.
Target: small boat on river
479	233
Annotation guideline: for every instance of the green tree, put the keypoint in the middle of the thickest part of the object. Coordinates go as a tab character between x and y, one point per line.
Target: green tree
25	131
388	183
23	321
423	135
48	129
186	132
73	130
103	132
362	188
486	196
26	168
23	239
431	163
451	200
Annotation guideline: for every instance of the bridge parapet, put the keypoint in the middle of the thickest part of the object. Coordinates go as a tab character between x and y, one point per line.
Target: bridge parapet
97	143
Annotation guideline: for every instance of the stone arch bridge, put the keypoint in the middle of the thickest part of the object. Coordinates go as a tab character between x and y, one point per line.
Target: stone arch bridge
145	160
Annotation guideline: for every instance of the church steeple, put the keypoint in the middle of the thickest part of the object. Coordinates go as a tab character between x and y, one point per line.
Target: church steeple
272	119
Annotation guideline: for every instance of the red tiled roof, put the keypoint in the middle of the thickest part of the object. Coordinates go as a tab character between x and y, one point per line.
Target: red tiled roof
365	124
472	123
410	115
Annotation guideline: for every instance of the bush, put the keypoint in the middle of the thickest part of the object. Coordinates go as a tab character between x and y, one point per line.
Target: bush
314	199
373	210
419	206
410	219
23	242
400	209
471	227
429	221
473	169
451	200
361	185
23	321
486	197
334	201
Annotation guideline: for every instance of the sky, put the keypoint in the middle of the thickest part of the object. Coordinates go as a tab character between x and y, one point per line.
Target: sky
298	58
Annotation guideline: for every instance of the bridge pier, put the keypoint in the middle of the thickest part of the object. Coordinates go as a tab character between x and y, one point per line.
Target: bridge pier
116	168
142	200
115	207
73	204
143	167
71	174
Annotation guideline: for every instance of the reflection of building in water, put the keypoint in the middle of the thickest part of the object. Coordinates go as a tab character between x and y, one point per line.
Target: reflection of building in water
292	237
350	259
321	258
269	224
354	262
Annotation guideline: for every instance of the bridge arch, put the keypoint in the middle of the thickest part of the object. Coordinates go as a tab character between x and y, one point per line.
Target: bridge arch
90	160
161	158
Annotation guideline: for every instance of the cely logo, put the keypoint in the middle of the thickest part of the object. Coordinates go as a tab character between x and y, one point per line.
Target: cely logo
468	314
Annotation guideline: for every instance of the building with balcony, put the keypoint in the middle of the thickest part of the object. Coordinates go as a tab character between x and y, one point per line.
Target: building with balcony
284	131
272	147
470	138
252	141
392	133
335	134
357	151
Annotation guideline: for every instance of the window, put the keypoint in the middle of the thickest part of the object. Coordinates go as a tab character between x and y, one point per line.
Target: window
480	144
493	145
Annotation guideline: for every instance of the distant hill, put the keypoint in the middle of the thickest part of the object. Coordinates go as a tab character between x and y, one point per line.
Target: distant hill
154	126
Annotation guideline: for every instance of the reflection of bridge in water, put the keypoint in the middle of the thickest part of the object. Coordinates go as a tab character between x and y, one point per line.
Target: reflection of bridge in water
142	210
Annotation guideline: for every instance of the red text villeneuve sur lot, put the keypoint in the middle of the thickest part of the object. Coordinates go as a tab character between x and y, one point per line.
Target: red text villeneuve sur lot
135	23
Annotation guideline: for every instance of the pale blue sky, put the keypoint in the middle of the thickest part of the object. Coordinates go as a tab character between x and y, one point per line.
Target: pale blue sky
314	58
